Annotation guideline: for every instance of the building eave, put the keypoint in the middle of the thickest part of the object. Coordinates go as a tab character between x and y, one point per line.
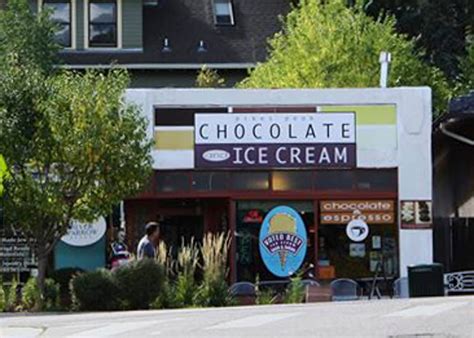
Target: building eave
164	66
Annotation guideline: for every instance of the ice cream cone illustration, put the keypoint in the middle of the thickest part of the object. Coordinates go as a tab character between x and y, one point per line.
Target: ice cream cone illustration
282	224
282	254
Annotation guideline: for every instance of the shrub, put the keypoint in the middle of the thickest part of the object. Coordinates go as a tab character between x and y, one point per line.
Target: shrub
31	295
63	278
94	291
264	296
140	283
51	295
185	286
295	291
11	298
213	290
2	297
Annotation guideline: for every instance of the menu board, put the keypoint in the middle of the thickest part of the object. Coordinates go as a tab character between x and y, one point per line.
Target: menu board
15	255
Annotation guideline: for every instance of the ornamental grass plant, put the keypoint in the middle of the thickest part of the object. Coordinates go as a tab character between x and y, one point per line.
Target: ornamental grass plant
185	286
213	290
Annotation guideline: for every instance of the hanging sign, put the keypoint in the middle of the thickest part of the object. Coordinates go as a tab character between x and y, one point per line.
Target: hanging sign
283	140
370	211
357	230
283	241
83	234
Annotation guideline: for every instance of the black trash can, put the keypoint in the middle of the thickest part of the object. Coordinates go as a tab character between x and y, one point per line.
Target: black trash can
426	280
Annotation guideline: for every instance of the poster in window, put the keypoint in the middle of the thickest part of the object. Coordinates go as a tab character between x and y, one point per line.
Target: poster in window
416	214
357	250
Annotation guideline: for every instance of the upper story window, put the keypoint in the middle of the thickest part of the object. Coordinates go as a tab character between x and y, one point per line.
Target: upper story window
102	23
61	15
223	13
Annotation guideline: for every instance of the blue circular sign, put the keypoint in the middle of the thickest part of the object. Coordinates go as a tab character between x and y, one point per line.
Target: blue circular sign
283	241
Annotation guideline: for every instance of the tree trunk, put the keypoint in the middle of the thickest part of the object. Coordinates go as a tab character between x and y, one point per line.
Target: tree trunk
42	265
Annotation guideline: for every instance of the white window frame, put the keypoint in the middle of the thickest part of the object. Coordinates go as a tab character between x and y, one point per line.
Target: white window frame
73	22
231	13
119	27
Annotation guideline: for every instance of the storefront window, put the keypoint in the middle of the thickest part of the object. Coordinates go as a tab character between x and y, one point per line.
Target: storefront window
250	215
342	256
206	181
291	180
376	180
250	181
333	180
169	182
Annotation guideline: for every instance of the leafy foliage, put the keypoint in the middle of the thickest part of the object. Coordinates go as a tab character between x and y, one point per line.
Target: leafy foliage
466	82
209	78
73	146
213	290
31	295
295	291
139	283
11	298
185	286
94	291
438	26
2	297
63	278
327	44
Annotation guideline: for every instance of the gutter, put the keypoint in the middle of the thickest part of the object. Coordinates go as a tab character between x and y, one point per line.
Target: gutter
170	66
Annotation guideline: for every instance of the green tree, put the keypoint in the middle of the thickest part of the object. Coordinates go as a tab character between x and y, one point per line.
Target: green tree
439	26
466	78
327	44
90	151
73	146
208	78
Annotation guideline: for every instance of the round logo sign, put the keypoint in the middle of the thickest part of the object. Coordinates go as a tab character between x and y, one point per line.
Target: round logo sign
83	234
357	230
283	241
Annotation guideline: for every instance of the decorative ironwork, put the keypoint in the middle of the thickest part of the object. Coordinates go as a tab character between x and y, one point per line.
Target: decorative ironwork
461	281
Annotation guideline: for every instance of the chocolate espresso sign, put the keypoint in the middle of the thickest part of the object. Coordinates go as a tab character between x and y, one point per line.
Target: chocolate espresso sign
283	140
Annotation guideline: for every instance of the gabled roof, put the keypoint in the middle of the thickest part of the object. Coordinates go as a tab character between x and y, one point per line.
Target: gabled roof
185	23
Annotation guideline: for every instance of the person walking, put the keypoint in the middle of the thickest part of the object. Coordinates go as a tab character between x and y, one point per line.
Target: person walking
147	245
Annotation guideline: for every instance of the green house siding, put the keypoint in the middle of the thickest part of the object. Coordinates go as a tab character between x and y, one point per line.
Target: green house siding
132	23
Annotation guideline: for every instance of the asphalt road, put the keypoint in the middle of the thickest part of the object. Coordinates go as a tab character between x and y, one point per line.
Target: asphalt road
403	318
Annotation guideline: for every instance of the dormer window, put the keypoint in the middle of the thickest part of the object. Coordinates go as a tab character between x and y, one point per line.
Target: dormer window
223	13
102	23
61	15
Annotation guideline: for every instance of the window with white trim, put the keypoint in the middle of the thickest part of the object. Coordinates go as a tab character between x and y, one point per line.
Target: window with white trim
223	12
102	23
61	15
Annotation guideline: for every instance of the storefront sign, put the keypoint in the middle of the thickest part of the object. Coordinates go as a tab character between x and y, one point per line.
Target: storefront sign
15	255
416	214
83	234
357	230
286	140
283	241
369	211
